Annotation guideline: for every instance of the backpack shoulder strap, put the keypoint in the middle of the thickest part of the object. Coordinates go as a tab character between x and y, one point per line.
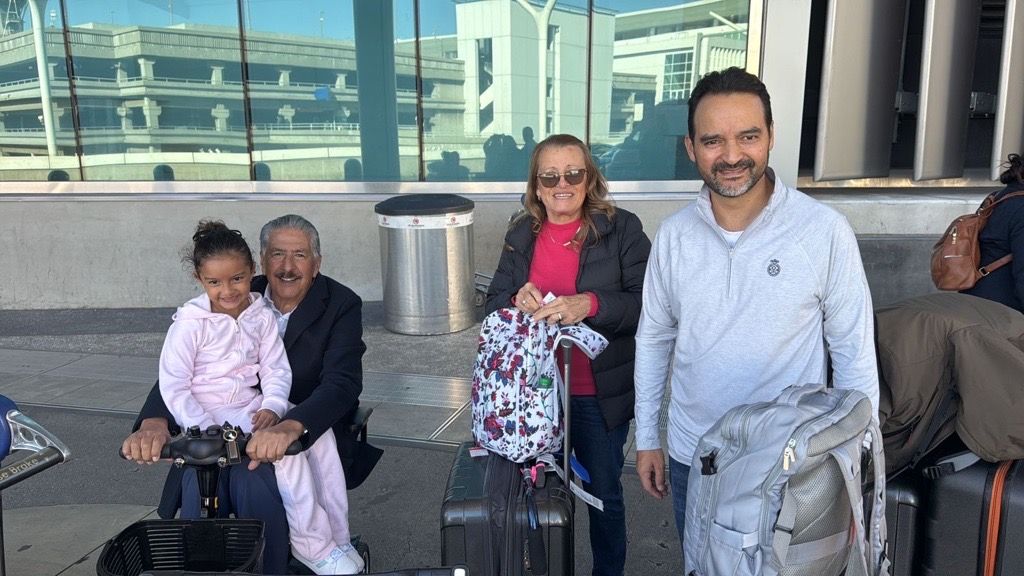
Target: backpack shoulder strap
868	556
1016	194
586	338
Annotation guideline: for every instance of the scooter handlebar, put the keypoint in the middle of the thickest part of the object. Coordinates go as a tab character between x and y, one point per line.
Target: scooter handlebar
29	466
195	447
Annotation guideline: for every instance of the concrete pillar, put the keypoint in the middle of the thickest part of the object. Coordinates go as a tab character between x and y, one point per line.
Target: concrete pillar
53	69
146	68
285	78
120	73
339	81
2	127
286	113
151	111
378	107
35	8
783	67
220	118
217	75
125	114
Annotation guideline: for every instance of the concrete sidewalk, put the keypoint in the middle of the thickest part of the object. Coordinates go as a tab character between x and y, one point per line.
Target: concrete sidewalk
84	366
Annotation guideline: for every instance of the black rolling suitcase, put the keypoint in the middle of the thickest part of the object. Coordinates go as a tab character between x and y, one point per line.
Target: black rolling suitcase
904	512
975	522
492	526
492	538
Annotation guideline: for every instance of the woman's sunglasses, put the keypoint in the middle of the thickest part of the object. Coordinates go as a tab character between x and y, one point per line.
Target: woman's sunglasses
572	177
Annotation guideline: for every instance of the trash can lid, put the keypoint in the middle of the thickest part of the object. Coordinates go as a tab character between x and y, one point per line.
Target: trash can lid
423	205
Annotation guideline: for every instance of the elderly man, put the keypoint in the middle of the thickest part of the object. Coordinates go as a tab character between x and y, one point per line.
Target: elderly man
320	321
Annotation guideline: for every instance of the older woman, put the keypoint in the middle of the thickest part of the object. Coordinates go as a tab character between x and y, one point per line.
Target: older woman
573	243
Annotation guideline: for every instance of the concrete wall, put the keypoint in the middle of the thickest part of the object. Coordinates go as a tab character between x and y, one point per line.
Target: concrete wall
125	252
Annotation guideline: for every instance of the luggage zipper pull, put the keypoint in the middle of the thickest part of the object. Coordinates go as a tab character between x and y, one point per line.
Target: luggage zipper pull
789	455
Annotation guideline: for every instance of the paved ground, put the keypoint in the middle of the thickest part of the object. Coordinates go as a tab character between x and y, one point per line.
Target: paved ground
84	374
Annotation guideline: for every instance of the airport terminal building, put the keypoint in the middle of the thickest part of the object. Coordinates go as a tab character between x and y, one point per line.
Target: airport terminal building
121	123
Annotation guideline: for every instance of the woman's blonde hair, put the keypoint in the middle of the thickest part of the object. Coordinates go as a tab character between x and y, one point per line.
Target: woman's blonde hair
596	200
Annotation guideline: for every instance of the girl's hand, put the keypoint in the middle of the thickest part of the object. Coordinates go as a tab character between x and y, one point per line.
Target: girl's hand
264	419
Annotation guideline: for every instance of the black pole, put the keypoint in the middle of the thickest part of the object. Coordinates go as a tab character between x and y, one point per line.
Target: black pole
3	562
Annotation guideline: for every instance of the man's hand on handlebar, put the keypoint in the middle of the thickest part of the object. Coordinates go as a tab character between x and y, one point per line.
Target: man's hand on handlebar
270	444
143	446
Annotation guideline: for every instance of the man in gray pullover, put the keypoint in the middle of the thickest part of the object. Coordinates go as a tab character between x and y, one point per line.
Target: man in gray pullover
747	289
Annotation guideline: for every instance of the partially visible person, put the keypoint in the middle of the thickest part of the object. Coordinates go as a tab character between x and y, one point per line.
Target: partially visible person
1004	234
261	172
163	173
320	321
750	289
223	361
529	143
353	170
572	242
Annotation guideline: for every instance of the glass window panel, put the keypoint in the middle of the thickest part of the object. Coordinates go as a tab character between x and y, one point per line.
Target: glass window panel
34	144
315	115
159	89
648	54
497	78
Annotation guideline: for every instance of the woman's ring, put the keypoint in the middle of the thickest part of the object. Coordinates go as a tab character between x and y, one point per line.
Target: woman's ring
559	316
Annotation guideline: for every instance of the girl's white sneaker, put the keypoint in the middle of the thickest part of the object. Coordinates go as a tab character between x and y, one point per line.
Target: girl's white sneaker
341	560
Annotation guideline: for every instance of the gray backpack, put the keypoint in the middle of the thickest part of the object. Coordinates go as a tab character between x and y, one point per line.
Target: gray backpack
775	489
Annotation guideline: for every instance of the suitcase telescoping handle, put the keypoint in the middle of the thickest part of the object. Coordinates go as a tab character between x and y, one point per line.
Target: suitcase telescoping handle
567	407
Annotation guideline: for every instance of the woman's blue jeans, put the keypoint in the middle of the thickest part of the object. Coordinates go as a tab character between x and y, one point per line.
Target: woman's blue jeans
600	451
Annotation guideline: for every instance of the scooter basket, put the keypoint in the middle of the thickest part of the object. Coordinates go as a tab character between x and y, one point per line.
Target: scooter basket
221	545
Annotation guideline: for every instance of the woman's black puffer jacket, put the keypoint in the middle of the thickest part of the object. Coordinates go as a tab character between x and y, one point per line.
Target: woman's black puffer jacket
613	269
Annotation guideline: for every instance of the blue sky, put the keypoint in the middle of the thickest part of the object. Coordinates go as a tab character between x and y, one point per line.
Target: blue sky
331	18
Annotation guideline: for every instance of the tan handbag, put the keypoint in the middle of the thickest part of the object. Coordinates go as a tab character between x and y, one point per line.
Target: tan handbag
956	257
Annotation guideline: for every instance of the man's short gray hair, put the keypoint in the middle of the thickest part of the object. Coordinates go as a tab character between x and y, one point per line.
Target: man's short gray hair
294	222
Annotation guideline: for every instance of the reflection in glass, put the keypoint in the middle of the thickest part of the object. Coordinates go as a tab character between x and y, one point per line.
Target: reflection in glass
37	139
306	89
501	76
642	79
160	84
159	89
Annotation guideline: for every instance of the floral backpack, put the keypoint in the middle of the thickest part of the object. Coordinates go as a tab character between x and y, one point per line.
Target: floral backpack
516	381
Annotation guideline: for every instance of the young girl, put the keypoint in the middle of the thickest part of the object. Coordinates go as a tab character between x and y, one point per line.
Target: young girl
221	346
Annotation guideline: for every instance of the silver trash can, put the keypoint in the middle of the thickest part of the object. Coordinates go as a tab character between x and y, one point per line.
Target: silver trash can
426	253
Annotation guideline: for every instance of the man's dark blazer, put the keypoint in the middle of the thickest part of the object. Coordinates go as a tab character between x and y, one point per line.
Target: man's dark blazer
324	344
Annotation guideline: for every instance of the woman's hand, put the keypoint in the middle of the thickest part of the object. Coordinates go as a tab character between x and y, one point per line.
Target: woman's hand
528	298
264	419
565	310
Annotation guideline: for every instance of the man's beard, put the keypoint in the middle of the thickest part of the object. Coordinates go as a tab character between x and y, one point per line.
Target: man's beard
736	191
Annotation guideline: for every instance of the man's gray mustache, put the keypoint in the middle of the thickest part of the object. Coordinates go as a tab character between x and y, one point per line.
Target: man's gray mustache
741	164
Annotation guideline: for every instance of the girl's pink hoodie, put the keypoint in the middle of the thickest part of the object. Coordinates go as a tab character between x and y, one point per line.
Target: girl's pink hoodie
210	363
